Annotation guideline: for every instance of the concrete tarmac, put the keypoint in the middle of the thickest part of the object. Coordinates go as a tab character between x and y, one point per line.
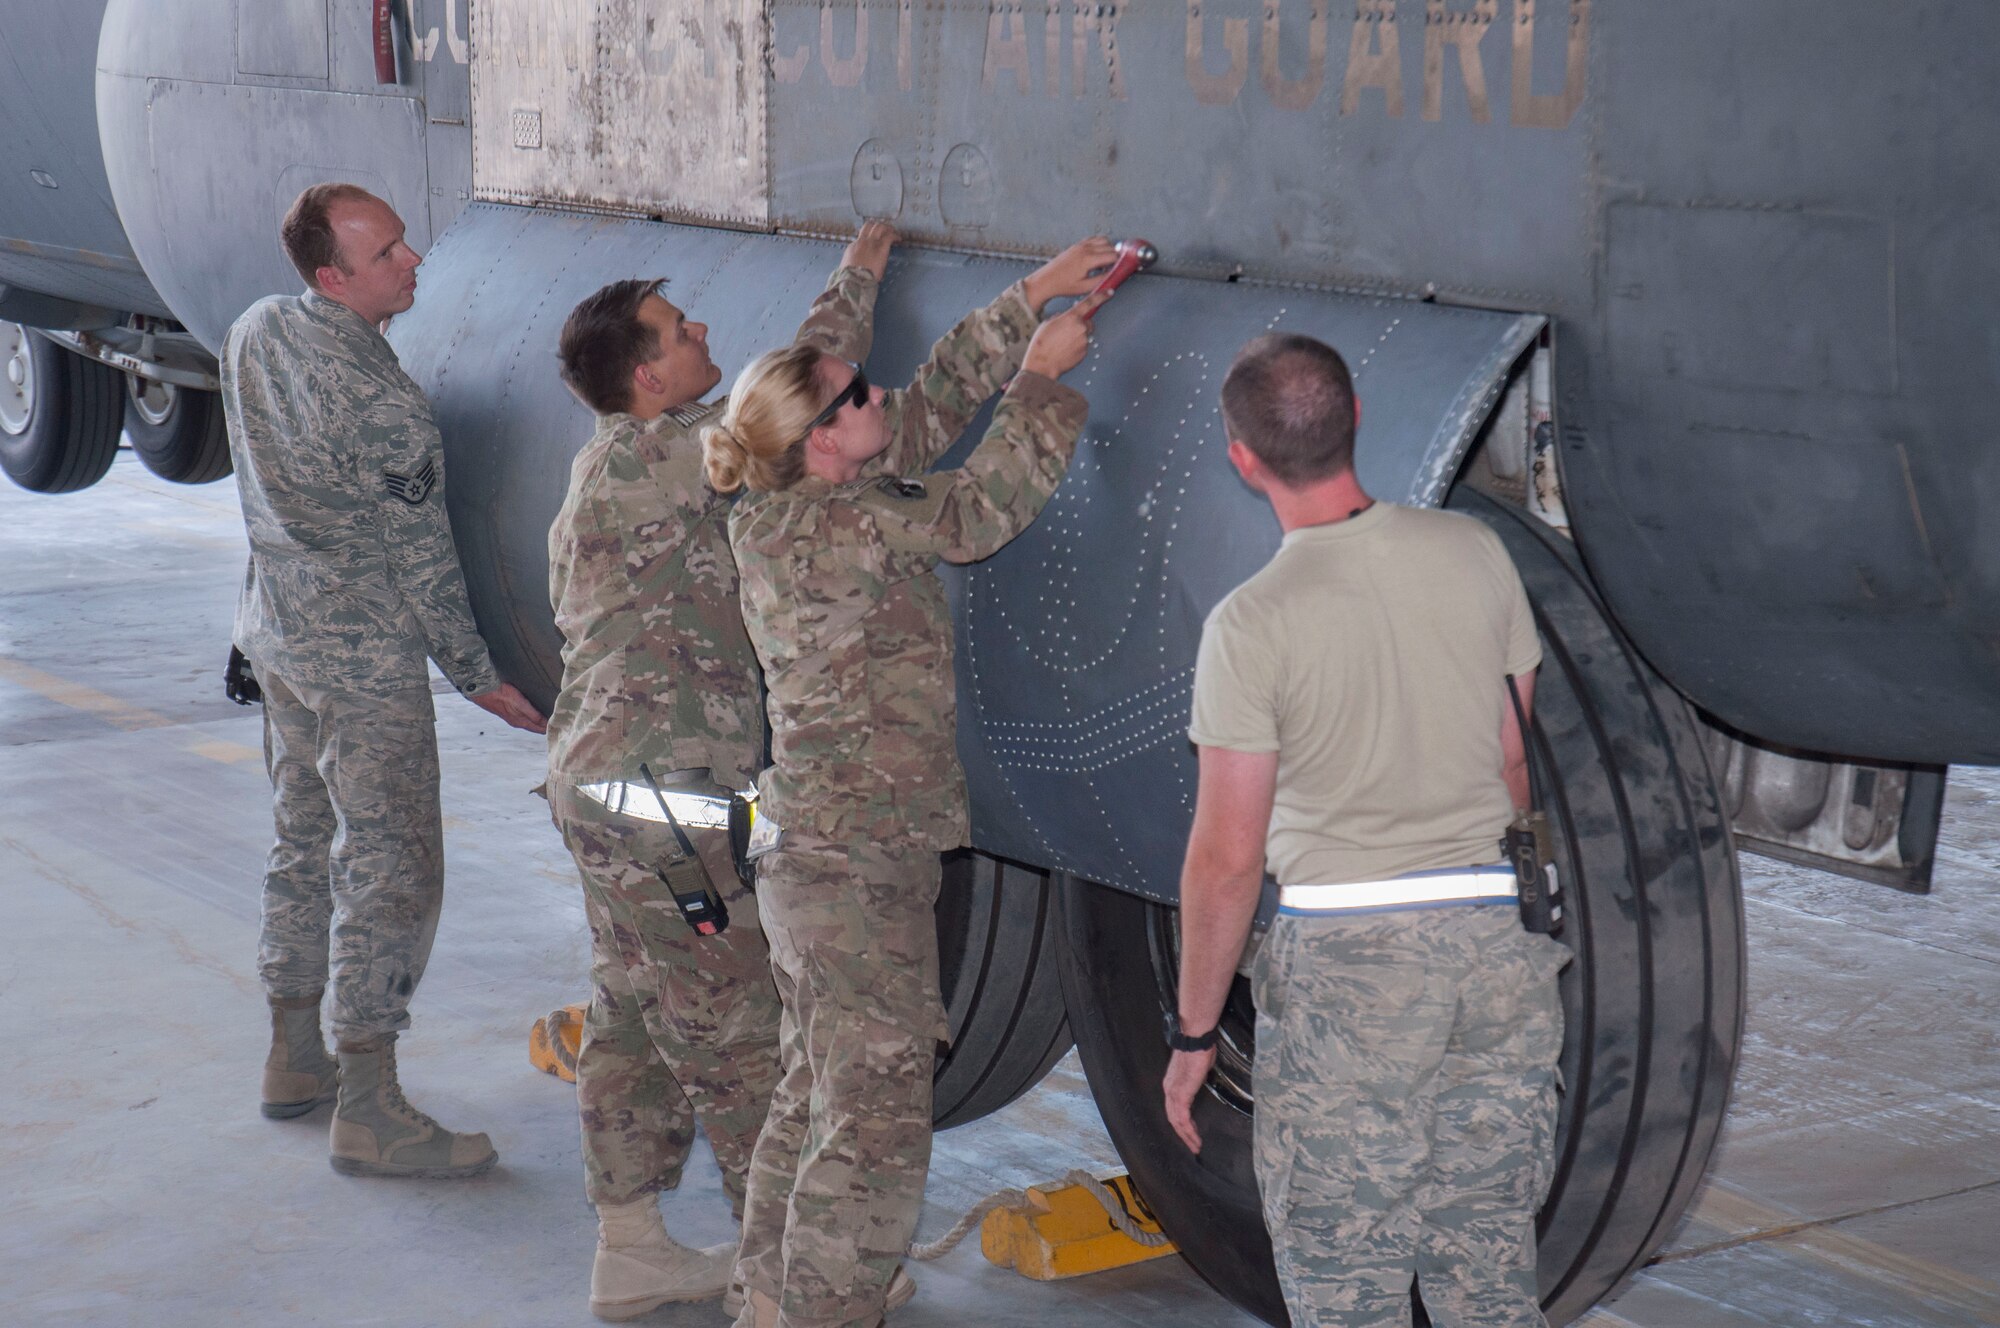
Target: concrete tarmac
1858	1181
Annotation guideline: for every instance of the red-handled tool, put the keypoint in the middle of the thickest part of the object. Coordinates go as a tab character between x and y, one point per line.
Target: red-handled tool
1133	256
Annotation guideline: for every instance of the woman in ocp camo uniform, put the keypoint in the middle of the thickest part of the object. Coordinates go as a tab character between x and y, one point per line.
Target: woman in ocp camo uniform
835	545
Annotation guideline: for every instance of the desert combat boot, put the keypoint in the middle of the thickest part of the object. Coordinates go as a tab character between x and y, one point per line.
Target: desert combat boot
764	1310
639	1267
376	1132
298	1074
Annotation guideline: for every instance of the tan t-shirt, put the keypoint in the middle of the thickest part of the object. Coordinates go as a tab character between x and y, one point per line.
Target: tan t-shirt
1372	656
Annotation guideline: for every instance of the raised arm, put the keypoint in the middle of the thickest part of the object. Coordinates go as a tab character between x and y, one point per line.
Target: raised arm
967	514
841	321
976	358
966	367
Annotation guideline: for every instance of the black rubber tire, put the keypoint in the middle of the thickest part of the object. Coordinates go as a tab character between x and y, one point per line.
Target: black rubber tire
997	947
189	444
1654	1000
73	418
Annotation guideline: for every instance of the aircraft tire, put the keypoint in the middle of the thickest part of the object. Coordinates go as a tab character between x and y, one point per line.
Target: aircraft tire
60	414
996	948
1654	1000
178	432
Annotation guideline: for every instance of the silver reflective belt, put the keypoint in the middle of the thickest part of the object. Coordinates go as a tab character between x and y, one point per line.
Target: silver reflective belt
1427	889
634	799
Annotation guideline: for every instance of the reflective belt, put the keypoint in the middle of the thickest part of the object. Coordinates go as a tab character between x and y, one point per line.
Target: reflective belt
708	811
1425	889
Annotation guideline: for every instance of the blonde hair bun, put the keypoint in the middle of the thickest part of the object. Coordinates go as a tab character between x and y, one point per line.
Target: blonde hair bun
759	441
723	457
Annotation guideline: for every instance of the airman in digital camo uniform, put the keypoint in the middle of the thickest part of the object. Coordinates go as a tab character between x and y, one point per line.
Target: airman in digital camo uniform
353	581
1352	717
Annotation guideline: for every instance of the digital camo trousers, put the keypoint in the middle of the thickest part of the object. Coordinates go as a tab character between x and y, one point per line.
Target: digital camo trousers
1406	1110
837	1181
680	1025
355	877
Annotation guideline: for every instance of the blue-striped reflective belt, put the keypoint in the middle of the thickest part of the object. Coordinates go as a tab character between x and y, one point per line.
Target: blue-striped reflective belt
1425	889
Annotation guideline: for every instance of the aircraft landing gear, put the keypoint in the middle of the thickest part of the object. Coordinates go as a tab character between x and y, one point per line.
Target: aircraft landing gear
997	941
177	431
60	414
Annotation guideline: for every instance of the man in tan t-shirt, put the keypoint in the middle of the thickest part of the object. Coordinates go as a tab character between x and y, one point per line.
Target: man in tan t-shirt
1355	732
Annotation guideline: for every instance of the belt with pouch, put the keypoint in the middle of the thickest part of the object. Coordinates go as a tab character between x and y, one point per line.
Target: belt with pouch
681	799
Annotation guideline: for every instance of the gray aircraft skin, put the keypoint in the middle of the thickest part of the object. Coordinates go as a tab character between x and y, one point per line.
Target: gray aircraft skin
1692	303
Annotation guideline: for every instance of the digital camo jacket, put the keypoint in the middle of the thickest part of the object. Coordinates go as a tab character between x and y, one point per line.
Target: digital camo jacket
353	577
839	597
656	666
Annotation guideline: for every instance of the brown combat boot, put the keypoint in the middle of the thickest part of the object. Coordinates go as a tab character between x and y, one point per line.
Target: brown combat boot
376	1132
639	1267
298	1074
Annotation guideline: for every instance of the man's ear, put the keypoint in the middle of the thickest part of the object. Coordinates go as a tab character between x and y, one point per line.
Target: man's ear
646	380
329	280
1247	465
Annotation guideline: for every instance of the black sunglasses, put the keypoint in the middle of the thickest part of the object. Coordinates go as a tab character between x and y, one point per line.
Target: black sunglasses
856	392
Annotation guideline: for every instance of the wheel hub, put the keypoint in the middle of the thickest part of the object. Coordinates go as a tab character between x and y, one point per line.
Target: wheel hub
1236	1050
17	394
152	401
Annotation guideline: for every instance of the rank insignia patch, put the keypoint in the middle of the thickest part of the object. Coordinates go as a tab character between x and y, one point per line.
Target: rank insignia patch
412	489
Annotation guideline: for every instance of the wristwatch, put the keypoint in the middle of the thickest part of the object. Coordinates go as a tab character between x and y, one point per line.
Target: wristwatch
1180	1041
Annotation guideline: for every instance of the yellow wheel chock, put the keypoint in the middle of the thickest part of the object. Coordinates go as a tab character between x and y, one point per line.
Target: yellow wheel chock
1067	1230
553	1042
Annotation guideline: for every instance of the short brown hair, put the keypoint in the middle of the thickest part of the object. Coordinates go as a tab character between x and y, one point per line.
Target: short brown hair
1290	400
603	341
307	232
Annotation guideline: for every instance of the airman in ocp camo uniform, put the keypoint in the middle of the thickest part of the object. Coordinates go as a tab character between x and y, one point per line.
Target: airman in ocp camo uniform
353	581
836	546
661	715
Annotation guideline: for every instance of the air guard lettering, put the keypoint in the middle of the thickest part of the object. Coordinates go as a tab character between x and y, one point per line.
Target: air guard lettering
791	68
426	47
844	73
570	21
903	45
1217	89
1052	47
1463	31
1544	111
1294	94
1103	20
659	48
455	33
1006	46
1374	59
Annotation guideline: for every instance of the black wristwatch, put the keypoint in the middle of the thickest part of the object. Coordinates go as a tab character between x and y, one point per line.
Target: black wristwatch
1180	1041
